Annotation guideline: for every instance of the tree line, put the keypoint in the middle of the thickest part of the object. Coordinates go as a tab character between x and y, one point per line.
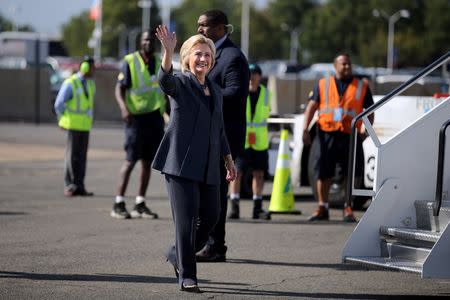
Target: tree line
323	28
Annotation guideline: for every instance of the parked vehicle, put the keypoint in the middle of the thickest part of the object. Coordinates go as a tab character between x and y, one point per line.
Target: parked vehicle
389	121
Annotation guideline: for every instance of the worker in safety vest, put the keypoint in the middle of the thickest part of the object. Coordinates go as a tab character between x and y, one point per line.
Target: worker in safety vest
74	107
255	157
142	105
337	99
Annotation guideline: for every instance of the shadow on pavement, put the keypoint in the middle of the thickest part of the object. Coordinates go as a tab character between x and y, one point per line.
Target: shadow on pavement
12	213
309	265
88	277
260	292
301	222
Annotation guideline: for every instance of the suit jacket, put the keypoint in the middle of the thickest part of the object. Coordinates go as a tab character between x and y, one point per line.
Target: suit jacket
231	73
195	137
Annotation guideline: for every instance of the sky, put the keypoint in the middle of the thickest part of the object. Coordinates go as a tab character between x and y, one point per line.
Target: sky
47	16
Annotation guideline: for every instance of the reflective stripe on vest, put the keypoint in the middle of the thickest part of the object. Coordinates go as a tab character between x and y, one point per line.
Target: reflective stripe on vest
142	87
350	104
145	95
78	113
258	124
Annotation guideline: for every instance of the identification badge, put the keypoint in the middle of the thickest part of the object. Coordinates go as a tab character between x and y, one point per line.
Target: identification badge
337	114
251	138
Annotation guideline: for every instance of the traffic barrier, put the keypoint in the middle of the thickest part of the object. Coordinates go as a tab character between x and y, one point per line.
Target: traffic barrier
282	197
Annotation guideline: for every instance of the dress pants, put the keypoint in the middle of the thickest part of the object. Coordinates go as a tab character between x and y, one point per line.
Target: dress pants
75	160
195	210
216	240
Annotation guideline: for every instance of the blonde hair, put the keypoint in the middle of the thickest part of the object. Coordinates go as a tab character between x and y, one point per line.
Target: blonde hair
189	44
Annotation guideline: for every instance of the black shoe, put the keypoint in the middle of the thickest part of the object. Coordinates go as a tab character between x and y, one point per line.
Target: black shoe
207	254
189	286
321	214
83	193
262	214
119	211
234	213
349	217
258	212
69	192
142	211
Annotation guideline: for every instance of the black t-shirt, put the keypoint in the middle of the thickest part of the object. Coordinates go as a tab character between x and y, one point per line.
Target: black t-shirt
342	86
124	78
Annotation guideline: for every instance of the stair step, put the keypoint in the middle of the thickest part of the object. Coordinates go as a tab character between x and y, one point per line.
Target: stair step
400	251
425	218
387	263
410	234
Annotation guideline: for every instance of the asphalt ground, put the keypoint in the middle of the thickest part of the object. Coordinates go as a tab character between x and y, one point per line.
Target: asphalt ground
52	247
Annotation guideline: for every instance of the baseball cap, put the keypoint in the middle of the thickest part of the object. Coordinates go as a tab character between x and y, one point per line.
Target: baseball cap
254	68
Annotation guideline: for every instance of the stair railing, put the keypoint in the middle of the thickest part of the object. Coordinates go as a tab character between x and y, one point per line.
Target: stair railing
351	190
440	169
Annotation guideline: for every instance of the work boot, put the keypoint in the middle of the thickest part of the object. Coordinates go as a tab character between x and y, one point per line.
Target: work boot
349	217
259	212
234	213
321	214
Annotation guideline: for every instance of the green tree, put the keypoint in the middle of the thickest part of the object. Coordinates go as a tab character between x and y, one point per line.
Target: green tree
437	24
185	17
287	16
76	34
338	26
7	25
121	21
350	26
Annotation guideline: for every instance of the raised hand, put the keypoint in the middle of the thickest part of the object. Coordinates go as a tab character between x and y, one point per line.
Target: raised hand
168	40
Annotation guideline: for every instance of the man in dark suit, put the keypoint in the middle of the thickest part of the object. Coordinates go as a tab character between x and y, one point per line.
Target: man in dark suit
232	74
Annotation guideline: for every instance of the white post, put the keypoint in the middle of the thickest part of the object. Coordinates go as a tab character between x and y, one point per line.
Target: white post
390	50
403	13
294	45
165	12
146	6
245	18
98	33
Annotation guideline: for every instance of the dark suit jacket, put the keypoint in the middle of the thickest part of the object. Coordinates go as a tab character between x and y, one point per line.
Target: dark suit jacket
192	130
231	73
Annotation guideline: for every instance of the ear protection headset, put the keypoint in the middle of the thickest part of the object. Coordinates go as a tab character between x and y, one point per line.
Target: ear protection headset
85	66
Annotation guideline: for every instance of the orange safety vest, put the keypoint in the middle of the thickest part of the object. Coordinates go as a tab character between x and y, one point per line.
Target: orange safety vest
336	113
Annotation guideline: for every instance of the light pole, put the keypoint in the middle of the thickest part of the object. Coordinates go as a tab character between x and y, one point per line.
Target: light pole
146	6
245	26
403	13
165	13
294	44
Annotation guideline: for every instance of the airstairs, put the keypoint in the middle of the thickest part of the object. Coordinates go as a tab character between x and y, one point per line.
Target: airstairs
406	226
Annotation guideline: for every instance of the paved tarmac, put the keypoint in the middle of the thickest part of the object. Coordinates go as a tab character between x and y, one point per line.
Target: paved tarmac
52	247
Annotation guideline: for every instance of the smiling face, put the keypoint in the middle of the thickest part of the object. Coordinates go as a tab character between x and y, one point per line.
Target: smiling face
200	59
343	67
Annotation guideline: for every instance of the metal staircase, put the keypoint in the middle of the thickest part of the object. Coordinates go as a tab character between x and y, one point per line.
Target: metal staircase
406	249
400	230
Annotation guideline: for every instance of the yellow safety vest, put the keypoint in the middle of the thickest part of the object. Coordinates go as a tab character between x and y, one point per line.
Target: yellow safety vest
145	95
79	111
257	136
